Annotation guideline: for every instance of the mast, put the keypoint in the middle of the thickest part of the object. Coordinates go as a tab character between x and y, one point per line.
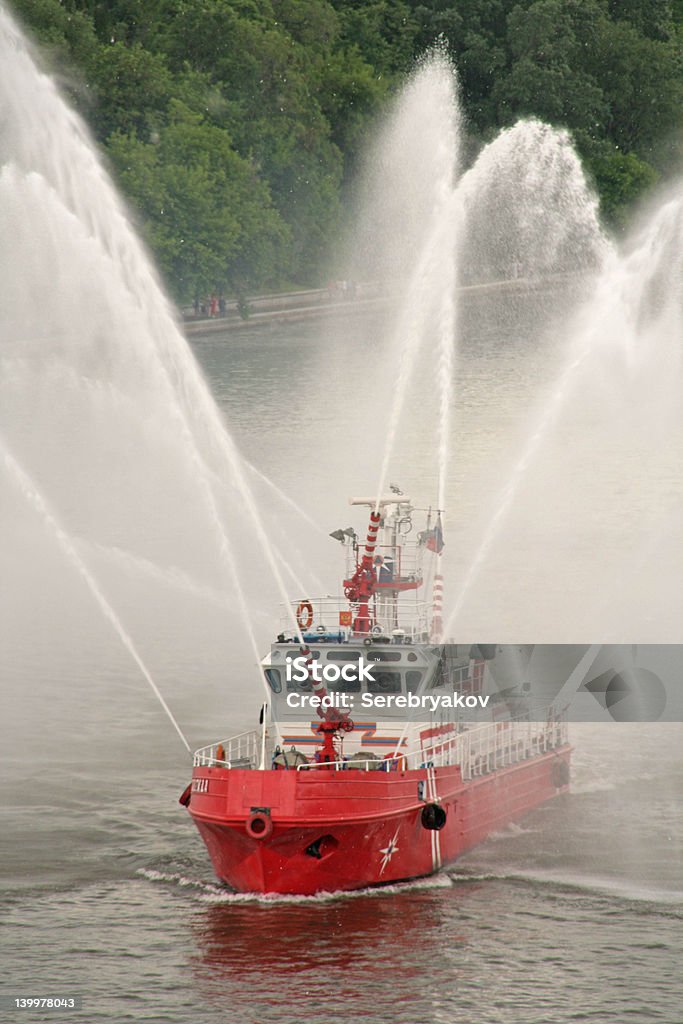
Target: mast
360	588
437	608
435	543
364	584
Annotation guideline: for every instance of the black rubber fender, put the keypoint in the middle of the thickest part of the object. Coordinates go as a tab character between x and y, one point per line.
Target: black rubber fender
433	817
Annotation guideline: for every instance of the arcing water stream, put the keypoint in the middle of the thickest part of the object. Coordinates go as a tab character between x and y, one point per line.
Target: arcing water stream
523	227
104	407
621	364
101	396
426	119
563	524
36	499
523	213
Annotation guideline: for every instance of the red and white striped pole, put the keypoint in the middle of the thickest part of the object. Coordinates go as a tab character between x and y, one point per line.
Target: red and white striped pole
366	585
437	608
371	539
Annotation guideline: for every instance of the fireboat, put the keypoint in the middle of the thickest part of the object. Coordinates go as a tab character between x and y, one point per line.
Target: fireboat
364	769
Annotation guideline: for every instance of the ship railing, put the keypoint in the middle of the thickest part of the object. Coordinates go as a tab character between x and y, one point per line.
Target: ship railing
341	765
405	559
486	748
325	615
478	751
241	751
330	618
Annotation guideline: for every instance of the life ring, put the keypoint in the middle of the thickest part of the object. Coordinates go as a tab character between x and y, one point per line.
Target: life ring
258	825
304	614
560	773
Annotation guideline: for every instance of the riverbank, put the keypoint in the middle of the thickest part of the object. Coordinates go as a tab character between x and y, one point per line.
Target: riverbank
315	302
289	306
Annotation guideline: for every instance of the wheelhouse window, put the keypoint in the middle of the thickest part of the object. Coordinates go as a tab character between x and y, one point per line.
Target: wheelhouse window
293	685
385	682
274	679
413	680
343	685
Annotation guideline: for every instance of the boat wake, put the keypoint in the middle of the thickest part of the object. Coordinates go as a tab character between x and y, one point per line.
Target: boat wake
512	829
207	892
589	885
604	776
177	879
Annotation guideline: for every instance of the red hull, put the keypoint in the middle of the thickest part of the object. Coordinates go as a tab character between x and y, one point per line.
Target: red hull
328	831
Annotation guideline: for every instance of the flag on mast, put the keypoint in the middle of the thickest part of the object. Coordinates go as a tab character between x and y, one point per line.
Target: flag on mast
433	539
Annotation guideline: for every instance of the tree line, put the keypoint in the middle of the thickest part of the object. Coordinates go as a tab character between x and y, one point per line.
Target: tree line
235	127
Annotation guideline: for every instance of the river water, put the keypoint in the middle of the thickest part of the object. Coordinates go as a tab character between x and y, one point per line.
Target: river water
574	915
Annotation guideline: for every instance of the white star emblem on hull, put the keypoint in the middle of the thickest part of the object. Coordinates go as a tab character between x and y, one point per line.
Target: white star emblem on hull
389	850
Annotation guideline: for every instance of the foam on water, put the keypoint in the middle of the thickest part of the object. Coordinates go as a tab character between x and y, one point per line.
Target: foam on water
588	884
215	894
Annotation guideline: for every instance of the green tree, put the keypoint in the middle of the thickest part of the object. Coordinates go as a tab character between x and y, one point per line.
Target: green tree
642	81
235	125
68	42
476	34
274	116
132	87
621	180
208	217
651	18
383	31
547	77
